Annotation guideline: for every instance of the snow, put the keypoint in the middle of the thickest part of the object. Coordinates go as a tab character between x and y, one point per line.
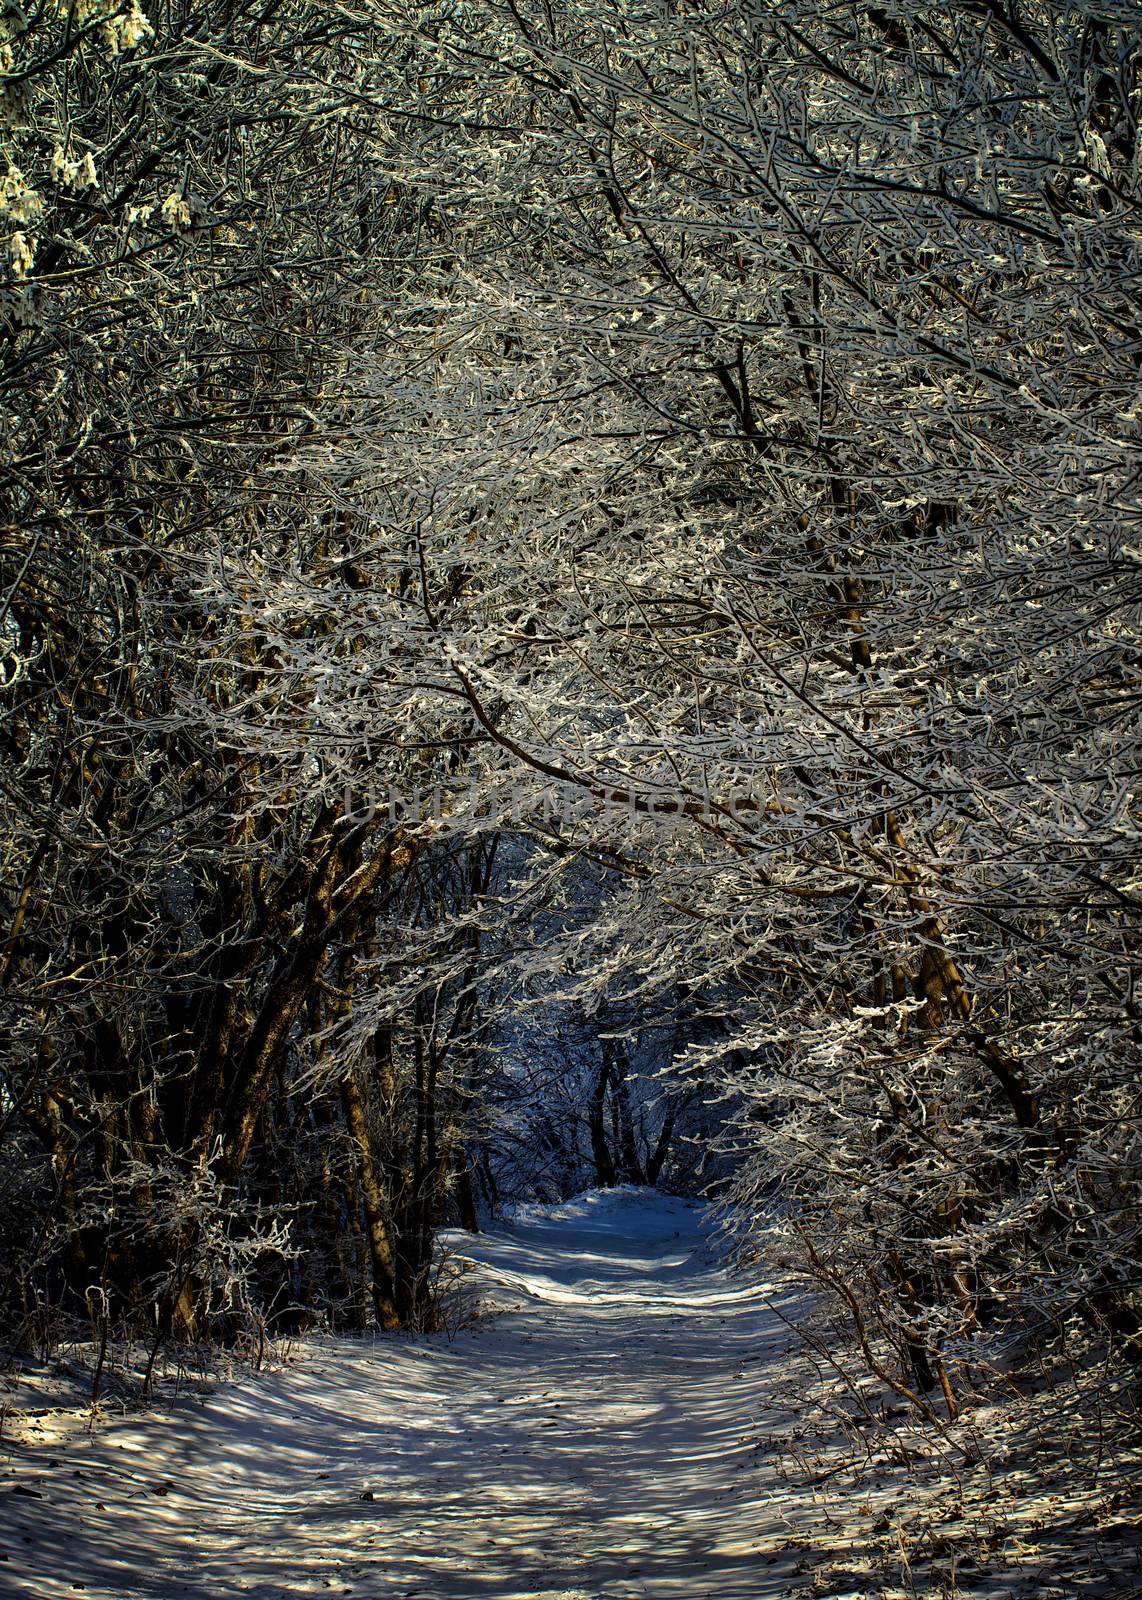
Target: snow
591	1435
618	1422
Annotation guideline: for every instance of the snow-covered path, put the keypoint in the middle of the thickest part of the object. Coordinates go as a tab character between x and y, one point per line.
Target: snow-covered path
598	1436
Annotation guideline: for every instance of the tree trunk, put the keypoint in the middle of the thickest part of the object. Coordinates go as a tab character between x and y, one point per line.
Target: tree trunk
465	1196
658	1156
631	1166
381	1254
604	1165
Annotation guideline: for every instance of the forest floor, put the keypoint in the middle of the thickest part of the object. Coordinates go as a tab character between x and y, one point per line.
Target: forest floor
624	1419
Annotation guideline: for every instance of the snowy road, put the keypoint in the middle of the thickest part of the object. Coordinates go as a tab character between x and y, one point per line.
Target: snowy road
597	1437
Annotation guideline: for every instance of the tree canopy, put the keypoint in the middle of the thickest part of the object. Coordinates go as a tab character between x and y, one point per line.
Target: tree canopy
619	514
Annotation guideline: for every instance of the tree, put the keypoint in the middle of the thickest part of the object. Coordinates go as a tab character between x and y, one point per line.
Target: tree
762	430
193	226
703	443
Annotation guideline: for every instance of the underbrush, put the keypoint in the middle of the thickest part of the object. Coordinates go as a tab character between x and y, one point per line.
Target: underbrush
1033	1492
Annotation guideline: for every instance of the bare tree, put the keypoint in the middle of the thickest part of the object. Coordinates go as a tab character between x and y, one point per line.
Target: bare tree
193	227
763	430
704	442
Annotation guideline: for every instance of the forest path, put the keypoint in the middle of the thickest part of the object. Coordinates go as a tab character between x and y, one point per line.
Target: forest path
596	1436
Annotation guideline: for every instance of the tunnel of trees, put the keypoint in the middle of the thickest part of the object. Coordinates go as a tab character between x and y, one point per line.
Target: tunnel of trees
569	589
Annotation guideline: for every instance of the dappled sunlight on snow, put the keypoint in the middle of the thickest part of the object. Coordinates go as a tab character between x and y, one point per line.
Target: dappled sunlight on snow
619	1424
593	1435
